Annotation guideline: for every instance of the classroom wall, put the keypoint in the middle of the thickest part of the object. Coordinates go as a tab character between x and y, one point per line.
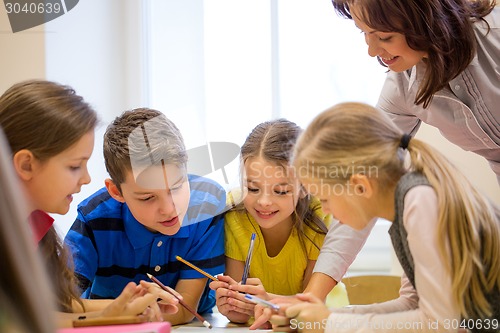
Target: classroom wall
88	49
96	48
474	166
22	55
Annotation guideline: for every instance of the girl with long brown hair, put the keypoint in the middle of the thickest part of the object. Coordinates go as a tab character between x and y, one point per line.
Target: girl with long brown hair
50	131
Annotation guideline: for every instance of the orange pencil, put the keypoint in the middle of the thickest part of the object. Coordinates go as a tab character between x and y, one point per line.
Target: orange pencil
211	277
184	304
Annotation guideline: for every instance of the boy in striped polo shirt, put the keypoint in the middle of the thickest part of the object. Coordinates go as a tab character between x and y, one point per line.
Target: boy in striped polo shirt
149	212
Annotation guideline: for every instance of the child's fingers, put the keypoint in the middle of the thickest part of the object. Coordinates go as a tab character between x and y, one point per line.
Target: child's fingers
150	315
227	279
168	308
238	296
223	306
242	306
166	297
156	313
117	306
262	315
253	282
214	285
222	292
246	288
139	304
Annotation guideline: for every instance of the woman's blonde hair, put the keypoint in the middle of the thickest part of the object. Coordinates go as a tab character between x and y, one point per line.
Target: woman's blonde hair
354	138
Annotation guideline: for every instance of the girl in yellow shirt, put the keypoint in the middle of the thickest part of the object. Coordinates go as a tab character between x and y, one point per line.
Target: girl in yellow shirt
289	225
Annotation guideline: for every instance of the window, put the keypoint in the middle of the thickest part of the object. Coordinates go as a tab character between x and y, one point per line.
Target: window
219	67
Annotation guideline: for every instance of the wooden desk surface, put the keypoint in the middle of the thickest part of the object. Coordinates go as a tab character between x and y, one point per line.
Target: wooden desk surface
219	323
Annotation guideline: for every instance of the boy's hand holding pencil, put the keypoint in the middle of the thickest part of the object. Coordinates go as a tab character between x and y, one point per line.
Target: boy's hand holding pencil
168	303
181	301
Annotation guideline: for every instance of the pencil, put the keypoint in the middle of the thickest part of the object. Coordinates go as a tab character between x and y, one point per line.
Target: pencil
184	304
211	277
261	301
246	270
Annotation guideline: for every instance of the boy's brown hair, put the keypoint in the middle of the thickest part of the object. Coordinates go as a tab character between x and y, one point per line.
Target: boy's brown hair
140	138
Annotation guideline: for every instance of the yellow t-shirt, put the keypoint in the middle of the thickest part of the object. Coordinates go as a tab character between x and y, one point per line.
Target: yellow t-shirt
282	274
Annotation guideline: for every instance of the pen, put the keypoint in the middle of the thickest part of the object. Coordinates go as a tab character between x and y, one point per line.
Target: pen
184	304
257	300
211	277
249	259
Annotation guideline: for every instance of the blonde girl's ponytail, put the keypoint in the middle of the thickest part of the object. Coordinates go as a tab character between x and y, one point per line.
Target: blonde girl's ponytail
355	138
470	224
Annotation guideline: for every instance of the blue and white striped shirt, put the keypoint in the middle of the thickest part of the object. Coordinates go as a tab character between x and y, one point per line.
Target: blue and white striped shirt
111	248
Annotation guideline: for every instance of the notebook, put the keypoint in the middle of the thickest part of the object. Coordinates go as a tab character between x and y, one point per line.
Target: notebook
155	327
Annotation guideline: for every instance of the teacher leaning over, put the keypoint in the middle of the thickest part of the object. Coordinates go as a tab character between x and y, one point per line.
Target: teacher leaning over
443	58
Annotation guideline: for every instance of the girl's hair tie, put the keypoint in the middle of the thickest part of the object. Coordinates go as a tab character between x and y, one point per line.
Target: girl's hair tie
405	140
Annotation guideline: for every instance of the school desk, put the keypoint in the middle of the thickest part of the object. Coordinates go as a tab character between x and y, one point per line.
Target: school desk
220	324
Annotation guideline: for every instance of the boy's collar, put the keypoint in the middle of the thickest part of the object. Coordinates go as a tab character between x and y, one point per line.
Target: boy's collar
139	236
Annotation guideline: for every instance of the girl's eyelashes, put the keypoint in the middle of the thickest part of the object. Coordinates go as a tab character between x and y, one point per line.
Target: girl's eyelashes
176	188
282	192
277	192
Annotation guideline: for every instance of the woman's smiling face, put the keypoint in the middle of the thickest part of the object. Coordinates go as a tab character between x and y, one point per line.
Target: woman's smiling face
391	47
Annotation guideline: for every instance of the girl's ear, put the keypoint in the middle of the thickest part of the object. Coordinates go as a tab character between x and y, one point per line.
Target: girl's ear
113	190
24	164
361	185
